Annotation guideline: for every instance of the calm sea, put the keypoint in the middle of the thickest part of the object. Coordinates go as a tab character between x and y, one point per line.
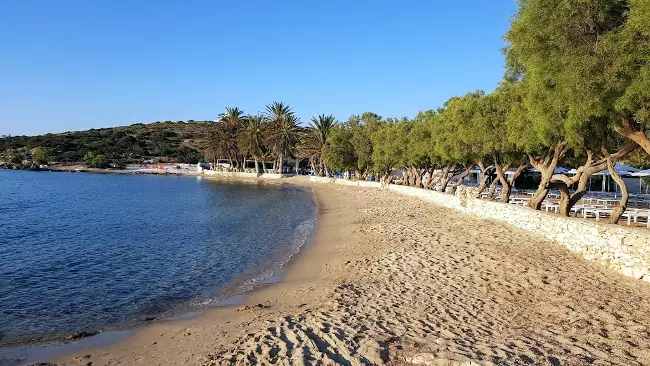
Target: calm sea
88	252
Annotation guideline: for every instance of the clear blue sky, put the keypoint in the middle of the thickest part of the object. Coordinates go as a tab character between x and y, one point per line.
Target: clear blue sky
79	64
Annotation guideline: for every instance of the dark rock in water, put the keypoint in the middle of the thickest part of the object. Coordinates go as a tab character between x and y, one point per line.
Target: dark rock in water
79	335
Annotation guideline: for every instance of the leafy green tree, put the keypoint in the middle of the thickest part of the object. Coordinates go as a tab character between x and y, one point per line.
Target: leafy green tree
338	153
390	143
39	156
419	142
488	135
13	156
453	132
627	73
185	155
98	161
363	127
579	61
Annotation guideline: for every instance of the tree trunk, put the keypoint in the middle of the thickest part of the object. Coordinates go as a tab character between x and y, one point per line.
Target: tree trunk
425	182
483	185
564	183
405	177
461	178
565	200
418	177
484	178
505	193
583	175
618	211
542	191
435	178
257	167
634	134
546	166
493	188
581	190
507	189
500	170
444	179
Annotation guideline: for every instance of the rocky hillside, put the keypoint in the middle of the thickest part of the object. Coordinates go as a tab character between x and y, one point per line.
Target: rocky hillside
164	141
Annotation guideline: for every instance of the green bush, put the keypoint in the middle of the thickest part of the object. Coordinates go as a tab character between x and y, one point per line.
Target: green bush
96	161
39	156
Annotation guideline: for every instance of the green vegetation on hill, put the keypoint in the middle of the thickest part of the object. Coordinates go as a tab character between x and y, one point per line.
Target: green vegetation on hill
165	141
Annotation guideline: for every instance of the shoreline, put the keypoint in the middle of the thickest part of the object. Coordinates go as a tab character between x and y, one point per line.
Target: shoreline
394	279
48	349
266	298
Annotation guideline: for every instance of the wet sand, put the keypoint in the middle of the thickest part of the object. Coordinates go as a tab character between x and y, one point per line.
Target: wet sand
391	279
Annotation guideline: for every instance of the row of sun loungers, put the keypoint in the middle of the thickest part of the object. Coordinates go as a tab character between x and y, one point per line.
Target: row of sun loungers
597	207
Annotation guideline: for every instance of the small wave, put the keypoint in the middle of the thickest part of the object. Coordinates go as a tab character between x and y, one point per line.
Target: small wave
300	236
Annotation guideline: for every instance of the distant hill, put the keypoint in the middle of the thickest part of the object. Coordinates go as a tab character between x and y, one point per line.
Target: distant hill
181	142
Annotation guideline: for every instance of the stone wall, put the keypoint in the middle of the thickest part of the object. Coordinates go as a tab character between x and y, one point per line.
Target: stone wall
623	249
218	173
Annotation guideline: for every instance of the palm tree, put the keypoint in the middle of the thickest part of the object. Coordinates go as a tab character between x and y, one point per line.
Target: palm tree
213	147
251	138
316	138
283	133
230	123
233	117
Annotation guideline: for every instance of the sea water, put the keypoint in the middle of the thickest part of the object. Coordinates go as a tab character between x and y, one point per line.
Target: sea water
90	252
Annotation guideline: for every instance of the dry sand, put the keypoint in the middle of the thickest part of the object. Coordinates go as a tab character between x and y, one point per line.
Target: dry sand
394	280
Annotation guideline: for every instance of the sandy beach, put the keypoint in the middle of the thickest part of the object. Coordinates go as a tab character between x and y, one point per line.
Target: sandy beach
394	280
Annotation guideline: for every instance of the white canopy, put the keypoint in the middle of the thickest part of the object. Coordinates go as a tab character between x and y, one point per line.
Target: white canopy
558	170
641	173
621	169
625	167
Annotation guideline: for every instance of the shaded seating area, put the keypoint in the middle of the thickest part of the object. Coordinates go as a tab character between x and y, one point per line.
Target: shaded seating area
596	205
